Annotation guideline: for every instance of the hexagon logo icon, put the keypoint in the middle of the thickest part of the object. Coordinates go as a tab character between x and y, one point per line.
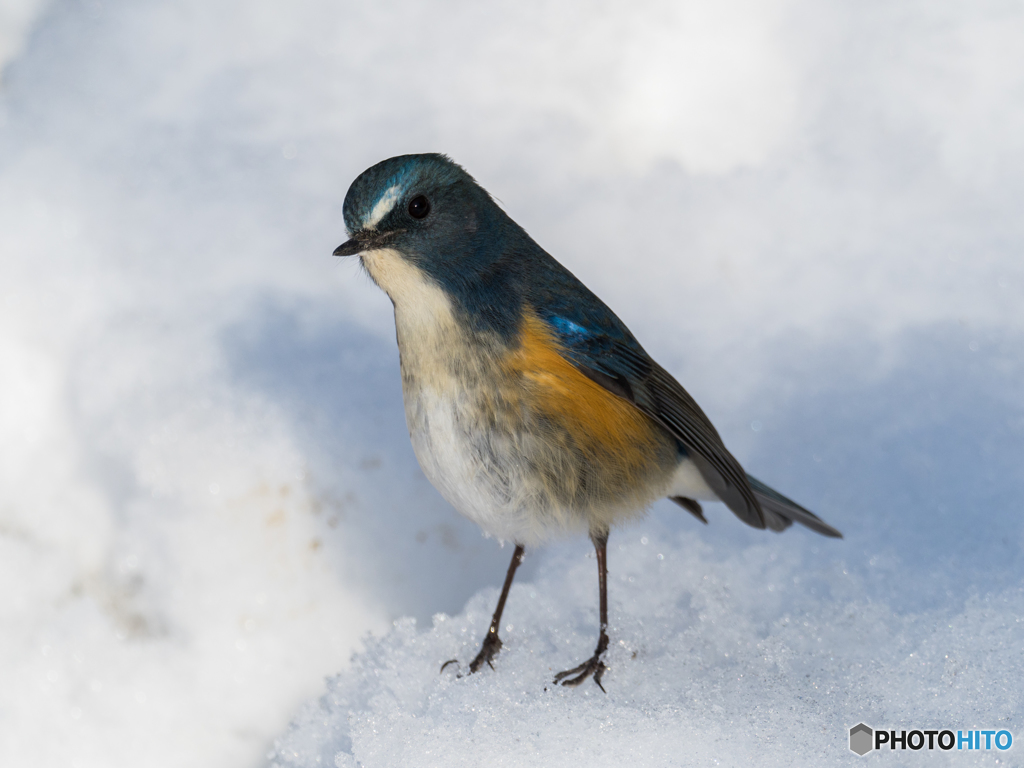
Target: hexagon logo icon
861	739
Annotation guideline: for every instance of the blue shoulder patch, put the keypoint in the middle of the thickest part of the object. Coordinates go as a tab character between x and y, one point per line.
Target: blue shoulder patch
568	330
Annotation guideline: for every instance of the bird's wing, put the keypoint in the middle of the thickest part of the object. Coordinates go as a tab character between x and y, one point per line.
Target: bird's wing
600	346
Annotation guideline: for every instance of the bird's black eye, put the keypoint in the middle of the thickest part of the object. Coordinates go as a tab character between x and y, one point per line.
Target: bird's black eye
419	207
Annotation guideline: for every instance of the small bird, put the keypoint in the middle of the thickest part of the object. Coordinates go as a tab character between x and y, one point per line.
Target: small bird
531	407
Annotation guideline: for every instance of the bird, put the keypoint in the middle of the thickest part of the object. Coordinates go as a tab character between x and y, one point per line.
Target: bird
530	405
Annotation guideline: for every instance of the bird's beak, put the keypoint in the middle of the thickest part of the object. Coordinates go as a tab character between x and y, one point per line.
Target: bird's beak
349	248
364	240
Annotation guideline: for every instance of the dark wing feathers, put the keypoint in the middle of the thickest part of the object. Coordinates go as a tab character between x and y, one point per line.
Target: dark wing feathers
606	352
672	406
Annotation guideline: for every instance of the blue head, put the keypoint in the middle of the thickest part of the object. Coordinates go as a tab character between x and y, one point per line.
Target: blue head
379	199
428	213
432	215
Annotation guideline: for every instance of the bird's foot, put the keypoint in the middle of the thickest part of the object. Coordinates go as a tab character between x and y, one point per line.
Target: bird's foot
592	666
489	649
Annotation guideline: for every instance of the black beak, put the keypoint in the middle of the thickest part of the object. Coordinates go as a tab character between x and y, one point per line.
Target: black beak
349	248
365	241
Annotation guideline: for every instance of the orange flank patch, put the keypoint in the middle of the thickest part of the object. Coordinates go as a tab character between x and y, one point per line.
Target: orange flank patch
607	430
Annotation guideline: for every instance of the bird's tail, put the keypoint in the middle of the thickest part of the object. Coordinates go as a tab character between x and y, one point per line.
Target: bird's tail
780	512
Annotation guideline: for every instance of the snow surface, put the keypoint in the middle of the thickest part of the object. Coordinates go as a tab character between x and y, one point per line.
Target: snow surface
809	212
752	659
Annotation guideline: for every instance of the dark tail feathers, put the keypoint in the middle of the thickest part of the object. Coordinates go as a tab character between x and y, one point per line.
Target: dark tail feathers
780	512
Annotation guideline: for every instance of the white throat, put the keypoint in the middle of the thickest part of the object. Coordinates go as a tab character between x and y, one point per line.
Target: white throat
421	305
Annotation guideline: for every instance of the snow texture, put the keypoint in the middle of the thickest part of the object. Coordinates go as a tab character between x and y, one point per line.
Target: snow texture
751	659
808	212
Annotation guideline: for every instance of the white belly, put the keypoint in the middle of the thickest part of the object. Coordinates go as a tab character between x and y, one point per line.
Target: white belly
477	468
480	471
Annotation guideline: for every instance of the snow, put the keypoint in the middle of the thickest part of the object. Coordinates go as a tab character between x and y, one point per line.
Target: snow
715	661
208	503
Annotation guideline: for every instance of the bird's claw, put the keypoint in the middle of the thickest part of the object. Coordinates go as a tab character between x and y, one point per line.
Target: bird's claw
592	666
489	649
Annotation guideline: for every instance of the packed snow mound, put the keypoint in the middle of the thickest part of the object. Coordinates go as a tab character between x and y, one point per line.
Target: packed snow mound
749	660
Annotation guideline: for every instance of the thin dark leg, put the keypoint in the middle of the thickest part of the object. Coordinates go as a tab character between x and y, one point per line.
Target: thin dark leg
594	666
492	644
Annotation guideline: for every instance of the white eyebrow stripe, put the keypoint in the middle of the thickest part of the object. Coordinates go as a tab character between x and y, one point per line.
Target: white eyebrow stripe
383	207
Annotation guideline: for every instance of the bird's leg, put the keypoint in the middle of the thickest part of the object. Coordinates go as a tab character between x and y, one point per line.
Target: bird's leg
492	644
594	665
